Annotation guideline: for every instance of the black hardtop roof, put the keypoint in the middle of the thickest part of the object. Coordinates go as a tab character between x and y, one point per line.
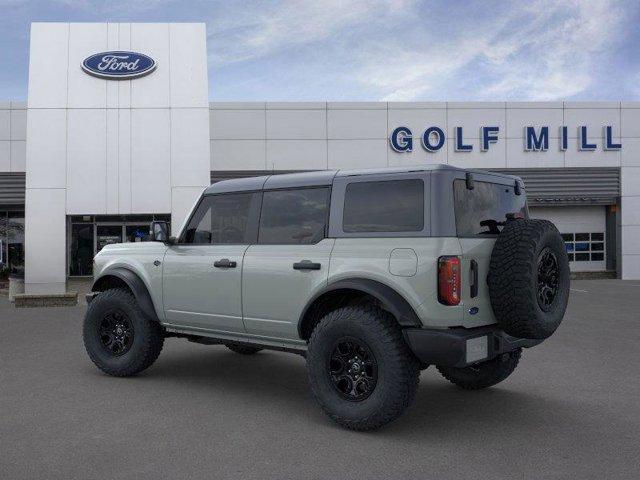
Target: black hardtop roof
325	177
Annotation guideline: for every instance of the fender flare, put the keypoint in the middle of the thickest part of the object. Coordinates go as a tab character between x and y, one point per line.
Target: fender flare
135	284
387	296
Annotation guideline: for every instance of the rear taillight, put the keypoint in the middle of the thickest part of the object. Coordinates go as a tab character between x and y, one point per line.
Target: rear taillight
449	280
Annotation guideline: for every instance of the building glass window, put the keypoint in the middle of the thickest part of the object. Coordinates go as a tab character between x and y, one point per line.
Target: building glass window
585	246
15	241
137	233
11	243
90	233
107	235
4	257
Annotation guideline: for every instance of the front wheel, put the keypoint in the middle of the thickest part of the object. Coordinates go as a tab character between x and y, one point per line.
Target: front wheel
361	371
118	337
485	374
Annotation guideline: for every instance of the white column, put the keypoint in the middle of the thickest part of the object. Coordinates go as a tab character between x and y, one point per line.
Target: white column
46	150
190	156
45	241
45	205
96	146
630	179
630	230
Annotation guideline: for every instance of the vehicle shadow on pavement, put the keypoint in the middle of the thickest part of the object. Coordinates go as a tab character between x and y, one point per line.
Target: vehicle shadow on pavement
275	380
444	407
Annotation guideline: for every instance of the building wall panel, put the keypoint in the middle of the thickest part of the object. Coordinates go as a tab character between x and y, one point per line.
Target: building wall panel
238	155
85	91
48	65
86	182
47	148
150	160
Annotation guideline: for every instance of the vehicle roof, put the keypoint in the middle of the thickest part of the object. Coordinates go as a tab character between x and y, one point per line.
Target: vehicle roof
324	177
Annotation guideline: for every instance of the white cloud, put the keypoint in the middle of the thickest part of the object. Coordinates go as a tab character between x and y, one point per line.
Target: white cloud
396	50
259	29
542	51
569	50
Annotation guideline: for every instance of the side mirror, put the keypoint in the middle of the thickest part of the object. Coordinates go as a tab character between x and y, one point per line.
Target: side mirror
159	232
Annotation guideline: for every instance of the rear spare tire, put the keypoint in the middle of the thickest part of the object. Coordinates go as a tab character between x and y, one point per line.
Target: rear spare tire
529	278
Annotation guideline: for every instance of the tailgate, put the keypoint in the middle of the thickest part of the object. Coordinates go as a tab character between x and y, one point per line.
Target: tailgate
476	255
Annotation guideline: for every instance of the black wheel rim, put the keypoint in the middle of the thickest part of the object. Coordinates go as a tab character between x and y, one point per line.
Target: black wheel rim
116	333
548	272
353	369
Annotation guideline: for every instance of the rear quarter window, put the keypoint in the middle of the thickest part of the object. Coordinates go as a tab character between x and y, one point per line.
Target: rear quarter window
384	206
483	210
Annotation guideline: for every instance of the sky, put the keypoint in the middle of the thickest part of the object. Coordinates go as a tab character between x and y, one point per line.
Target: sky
377	50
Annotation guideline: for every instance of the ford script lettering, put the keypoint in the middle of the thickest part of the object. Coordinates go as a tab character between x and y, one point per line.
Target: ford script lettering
118	65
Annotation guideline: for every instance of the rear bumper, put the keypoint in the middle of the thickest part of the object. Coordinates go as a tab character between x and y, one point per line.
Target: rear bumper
460	347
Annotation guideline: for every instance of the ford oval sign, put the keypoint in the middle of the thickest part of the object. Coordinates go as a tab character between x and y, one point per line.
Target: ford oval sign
118	65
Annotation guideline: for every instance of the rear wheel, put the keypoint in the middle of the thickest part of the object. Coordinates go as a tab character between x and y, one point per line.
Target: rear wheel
360	369
485	374
242	349
118	337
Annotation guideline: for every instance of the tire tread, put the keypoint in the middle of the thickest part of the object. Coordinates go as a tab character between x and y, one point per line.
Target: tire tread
406	368
512	267
153	336
483	375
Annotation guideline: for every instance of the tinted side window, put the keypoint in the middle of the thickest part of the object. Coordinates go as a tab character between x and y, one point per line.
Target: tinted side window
296	216
384	206
220	219
483	210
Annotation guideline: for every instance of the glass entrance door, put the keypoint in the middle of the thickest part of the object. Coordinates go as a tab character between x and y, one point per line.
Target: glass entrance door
81	258
107	234
88	234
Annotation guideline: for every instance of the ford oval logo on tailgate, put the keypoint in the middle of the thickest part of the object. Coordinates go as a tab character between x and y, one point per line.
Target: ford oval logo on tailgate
118	65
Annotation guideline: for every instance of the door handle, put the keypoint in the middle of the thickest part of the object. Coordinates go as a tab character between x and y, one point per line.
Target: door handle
306	265
474	279
224	263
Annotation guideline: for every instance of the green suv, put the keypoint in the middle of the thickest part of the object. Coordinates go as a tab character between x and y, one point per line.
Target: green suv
372	275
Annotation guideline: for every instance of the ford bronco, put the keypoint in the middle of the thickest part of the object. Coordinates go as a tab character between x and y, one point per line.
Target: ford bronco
372	275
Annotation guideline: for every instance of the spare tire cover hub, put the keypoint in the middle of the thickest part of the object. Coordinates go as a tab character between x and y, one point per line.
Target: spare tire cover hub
548	272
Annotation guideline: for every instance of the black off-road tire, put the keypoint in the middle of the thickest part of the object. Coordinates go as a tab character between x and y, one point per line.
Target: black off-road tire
516	273
485	374
398	371
148	335
242	349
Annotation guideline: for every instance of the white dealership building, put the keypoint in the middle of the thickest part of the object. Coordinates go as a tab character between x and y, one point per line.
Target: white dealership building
90	159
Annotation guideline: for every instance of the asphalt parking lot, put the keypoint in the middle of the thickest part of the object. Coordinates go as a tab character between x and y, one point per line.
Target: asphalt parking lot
571	409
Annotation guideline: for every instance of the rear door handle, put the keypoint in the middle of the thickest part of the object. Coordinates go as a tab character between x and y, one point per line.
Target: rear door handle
224	263
306	265
474	279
